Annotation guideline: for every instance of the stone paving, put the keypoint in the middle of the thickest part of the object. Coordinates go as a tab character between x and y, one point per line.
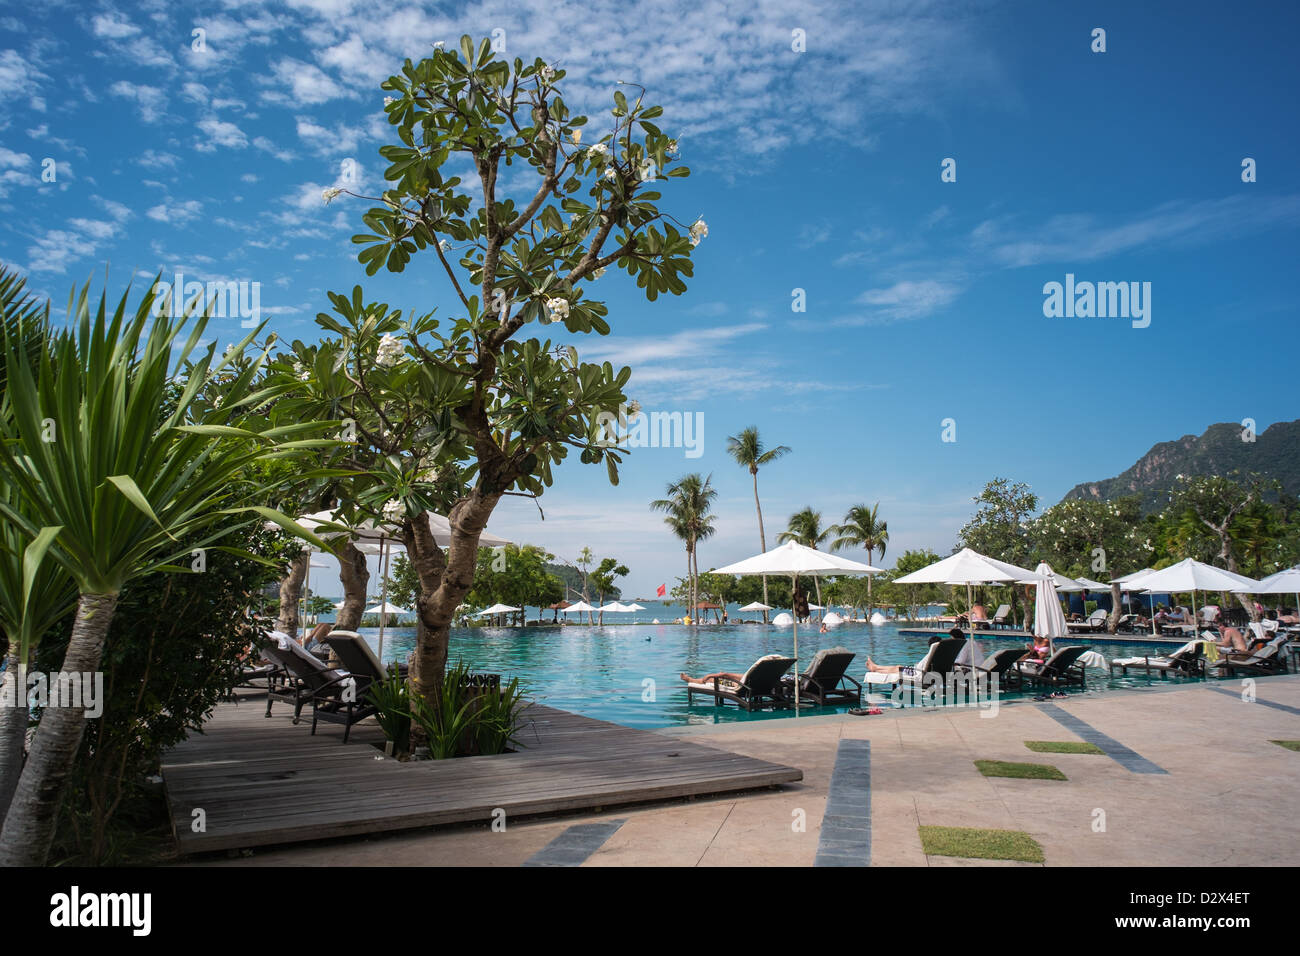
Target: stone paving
1189	778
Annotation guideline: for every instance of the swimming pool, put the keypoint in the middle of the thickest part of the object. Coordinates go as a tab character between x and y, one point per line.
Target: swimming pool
628	674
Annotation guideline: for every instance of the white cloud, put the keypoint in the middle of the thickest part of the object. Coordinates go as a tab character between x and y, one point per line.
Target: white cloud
177	213
328	142
113	26
266	146
1082	237
152	159
217	133
905	300
18	78
151	100
58	248
305	83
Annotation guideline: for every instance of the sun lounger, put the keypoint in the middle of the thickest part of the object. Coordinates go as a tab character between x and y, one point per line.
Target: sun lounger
1062	668
1002	664
825	680
354	653
1001	616
759	685
1096	621
1264	660
1188	660
940	659
307	676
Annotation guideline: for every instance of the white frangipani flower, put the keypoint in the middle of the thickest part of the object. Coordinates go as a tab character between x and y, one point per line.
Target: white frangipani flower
548	74
610	174
558	309
576	136
330	194
698	231
444	245
389	352
394	510
600	149
646	171
597	273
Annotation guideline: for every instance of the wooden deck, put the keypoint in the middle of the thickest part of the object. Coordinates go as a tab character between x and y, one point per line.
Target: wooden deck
262	781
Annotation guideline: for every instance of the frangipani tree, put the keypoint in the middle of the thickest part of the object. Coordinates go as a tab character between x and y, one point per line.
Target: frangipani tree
452	415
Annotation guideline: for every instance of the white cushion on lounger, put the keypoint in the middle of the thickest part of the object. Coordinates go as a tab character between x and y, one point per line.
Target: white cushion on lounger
878	677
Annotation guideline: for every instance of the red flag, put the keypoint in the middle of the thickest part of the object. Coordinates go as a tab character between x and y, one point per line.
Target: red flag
663	589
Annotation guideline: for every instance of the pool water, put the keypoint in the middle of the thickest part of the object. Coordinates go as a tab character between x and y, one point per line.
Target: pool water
628	674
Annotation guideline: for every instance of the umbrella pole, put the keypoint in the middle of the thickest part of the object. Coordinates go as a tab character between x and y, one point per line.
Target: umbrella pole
306	591
383	595
793	583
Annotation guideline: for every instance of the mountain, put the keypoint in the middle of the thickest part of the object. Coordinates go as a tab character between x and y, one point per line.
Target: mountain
1275	453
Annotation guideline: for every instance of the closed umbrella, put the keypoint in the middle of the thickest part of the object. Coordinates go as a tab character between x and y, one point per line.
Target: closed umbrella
1049	619
795	559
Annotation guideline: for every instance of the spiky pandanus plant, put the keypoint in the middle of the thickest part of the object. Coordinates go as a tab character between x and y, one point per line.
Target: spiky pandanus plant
114	451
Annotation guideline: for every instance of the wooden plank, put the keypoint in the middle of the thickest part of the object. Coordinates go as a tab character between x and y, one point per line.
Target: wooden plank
264	781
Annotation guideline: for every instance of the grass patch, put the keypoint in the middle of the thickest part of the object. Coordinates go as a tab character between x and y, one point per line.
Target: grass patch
1026	771
1288	744
976	844
1063	747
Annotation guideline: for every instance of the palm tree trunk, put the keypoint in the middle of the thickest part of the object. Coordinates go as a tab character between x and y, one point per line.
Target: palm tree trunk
762	538
29	824
354	575
871	558
13	725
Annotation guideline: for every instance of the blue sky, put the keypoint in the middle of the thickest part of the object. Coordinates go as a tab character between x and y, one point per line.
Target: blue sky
817	170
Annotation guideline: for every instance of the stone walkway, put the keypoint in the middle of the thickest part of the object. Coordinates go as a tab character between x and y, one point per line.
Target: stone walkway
1189	778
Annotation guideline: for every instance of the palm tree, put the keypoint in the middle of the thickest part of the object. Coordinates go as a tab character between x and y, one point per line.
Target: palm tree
687	510
584	561
747	449
805	527
116	458
863	528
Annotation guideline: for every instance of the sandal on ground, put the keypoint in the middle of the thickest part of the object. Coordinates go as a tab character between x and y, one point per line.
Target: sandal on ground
865	711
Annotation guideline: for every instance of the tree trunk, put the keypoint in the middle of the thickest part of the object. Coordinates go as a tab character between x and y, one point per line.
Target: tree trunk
445	579
13	725
762	538
354	575
871	556
1116	606
291	595
29	825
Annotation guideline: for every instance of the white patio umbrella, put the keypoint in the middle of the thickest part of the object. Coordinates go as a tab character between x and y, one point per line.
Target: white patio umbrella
580	607
634	607
756	606
498	609
795	559
1284	582
384	609
969	568
1192	575
613	607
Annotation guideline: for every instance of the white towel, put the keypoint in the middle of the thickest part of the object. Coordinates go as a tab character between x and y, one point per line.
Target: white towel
1092	659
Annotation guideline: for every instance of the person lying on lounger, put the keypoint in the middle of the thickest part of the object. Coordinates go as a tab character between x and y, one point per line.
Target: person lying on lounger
708	678
875	668
1038	651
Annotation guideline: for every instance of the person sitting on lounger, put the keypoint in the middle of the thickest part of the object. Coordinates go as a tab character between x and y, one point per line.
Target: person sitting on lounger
977	613
315	641
1038	651
1231	639
875	668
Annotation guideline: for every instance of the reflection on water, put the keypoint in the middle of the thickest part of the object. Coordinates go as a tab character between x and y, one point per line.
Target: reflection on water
603	672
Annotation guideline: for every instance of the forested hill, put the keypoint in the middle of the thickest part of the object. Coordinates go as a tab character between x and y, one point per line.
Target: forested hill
1275	453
